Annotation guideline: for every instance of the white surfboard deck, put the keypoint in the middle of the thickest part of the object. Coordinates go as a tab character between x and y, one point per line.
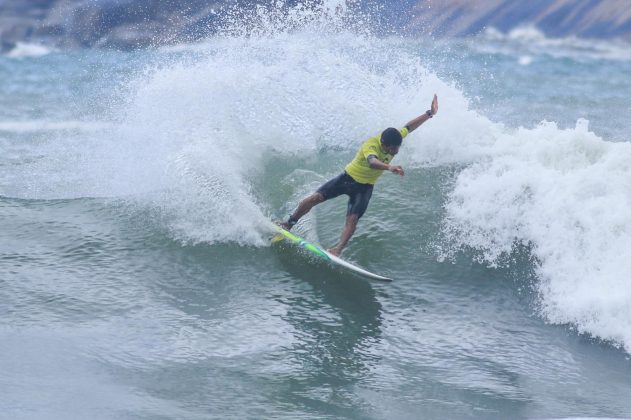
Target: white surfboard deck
323	254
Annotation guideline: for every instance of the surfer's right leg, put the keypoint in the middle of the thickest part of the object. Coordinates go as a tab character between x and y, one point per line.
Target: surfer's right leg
347	232
358	201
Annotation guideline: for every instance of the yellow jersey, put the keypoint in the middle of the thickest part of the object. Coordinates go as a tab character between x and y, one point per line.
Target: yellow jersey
359	168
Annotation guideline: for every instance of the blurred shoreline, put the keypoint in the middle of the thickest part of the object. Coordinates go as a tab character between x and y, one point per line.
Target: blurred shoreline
133	24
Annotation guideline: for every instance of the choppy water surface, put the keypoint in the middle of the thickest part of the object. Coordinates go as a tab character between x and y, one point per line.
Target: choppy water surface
136	189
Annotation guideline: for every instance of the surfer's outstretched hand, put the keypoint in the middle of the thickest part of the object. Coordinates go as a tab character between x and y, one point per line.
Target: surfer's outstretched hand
424	117
434	107
397	170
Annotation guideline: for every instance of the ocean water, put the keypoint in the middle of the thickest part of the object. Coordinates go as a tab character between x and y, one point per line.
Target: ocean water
136	190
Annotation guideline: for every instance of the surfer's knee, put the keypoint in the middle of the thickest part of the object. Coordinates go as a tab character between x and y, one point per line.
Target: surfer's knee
317	197
311	200
306	205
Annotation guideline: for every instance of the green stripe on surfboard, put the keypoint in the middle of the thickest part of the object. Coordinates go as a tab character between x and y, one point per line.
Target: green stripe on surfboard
302	243
283	234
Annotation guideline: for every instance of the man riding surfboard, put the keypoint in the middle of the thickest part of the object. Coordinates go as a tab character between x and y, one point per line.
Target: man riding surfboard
359	177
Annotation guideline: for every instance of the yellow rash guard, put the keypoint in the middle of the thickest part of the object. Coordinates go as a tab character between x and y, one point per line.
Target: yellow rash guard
359	168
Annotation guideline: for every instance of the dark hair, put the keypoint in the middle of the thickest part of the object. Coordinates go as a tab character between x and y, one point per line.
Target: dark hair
391	137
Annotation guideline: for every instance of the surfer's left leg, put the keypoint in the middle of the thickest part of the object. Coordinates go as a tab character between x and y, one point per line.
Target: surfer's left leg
303	208
330	189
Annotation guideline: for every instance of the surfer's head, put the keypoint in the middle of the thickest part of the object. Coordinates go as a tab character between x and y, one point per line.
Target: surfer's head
391	140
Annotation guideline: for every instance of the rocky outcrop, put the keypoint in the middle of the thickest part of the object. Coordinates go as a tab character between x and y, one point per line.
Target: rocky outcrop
127	24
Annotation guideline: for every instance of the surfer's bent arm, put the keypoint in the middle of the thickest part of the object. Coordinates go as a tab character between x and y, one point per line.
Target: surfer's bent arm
416	122
375	163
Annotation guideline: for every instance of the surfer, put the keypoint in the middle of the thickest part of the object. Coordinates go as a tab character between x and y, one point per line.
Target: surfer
359	177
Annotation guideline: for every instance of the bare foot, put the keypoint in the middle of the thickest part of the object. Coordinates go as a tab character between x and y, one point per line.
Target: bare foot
334	251
284	225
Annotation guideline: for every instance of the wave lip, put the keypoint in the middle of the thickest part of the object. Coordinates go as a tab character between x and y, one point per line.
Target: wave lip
562	193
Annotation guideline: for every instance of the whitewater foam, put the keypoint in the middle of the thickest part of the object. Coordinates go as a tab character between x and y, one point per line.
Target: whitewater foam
205	130
564	193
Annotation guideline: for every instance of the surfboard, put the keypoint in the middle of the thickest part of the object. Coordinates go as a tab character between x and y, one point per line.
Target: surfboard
320	253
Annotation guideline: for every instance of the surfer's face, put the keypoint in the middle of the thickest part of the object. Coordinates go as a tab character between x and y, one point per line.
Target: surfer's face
392	150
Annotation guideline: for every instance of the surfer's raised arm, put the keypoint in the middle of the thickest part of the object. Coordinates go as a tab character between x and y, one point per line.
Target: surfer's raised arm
416	122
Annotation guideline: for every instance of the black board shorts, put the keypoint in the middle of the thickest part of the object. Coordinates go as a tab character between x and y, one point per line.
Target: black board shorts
359	194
